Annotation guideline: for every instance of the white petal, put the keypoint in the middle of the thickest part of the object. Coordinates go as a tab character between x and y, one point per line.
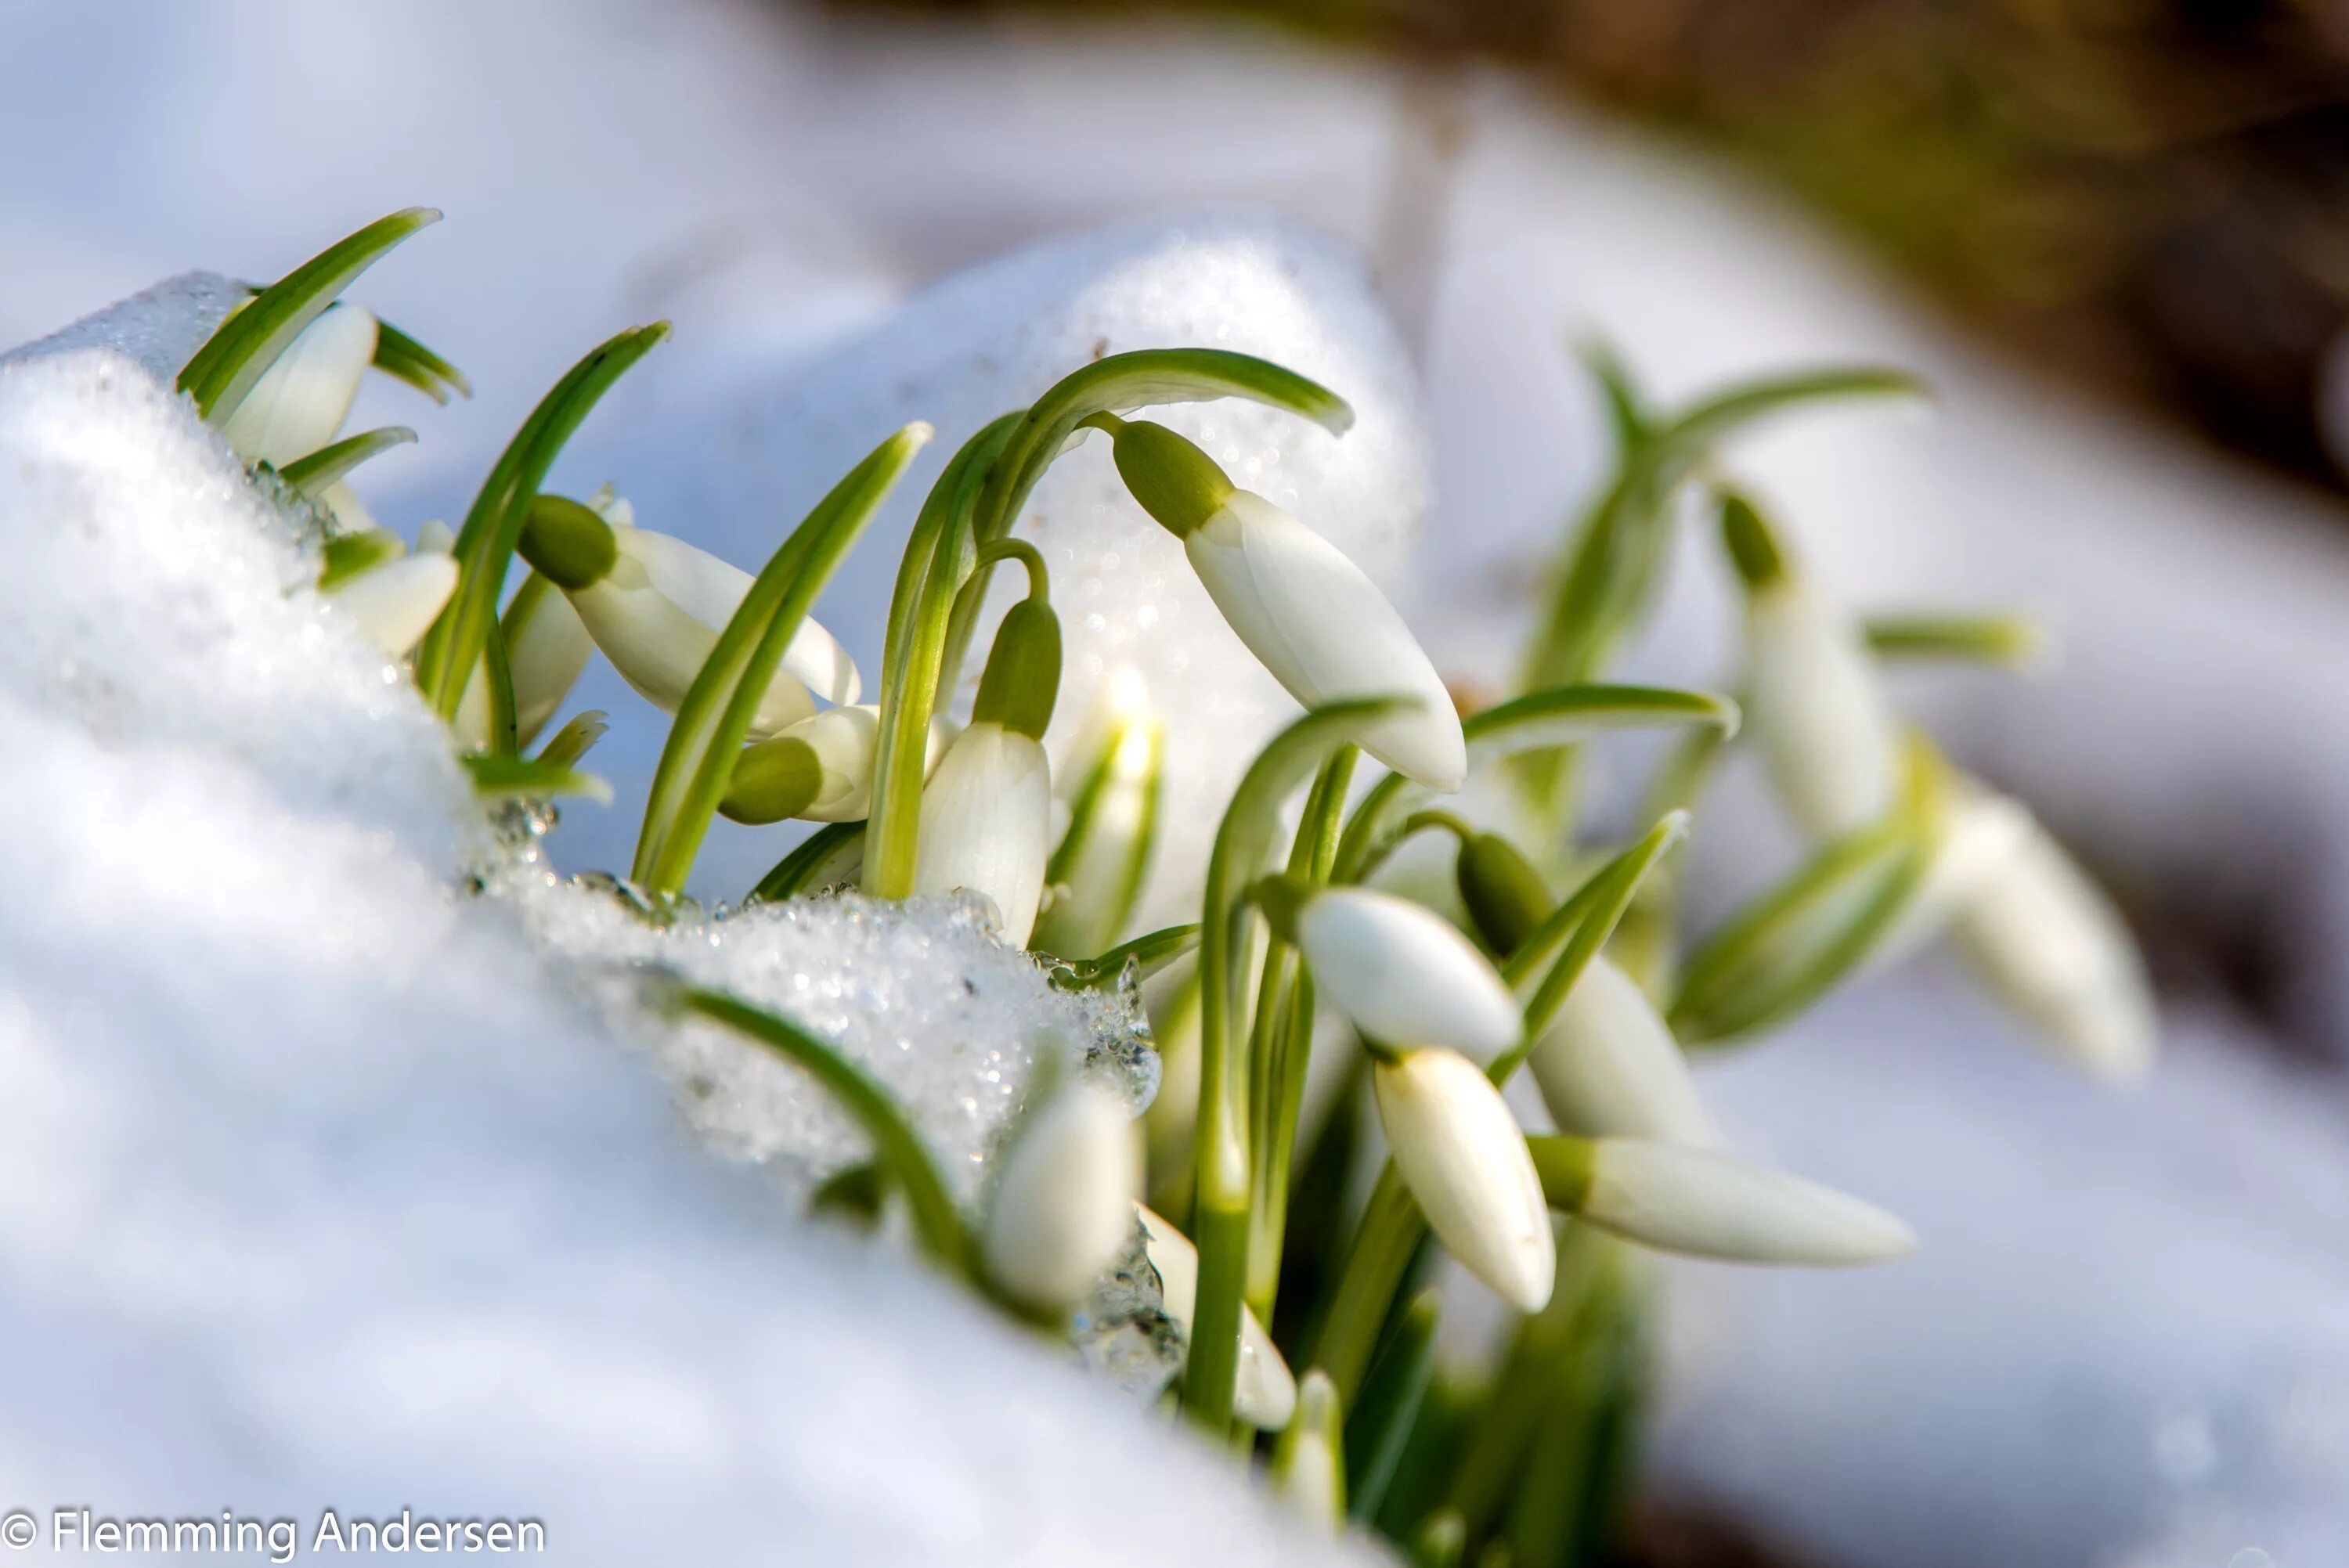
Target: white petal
986	824
1324	630
350	514
1063	1206
2046	939
302	400
1981	832
844	740
1608	1065
546	652
394	603
434	537
1696	1200
1462	1156
1814	705
1264	1394
1404	975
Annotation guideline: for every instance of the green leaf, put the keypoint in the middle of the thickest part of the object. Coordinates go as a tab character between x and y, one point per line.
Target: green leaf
313	474
354	556
2009	639
1148	954
571	742
485	545
897	1147
1381	1421
1074	922
714	720
829	857
403	358
248	342
1538	721
532	779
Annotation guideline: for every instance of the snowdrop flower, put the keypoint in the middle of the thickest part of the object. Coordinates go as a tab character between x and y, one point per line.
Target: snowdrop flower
656	605
1400	971
395	600
302	400
1103	851
986	812
820	770
1979	833
1461	1153
1265	1393
1063	1206
1309	615
1695	1201
2049	942
1608	1064
1828	738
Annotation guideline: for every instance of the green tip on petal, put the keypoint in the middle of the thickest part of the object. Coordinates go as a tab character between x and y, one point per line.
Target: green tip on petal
1752	548
1506	899
1022	681
772	781
1174	481
566	543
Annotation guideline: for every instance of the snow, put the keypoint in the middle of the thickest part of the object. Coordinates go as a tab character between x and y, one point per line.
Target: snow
324	1188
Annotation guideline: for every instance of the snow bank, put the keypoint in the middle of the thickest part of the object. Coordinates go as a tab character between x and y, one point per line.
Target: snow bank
319	1190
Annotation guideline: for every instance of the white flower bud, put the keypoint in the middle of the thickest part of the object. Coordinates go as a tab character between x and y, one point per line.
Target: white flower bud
657	613
302	400
986	824
1608	1064
1464	1157
1265	1395
396	603
1814	705
1401	972
820	770
2048	942
1063	1204
1308	1464
1695	1201
1312	618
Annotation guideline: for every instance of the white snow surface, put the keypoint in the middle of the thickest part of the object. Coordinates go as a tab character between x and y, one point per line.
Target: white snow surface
323	1190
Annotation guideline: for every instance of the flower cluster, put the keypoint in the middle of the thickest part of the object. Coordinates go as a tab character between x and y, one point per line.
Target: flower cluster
1548	949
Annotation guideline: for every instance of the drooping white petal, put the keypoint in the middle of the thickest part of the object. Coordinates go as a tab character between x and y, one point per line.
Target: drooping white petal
547	649
302	400
844	740
1980	834
1063	1206
1264	1394
1696	1200
1403	974
1464	1157
657	615
1814	705
394	603
1324	630
2050	943
1608	1066
986	824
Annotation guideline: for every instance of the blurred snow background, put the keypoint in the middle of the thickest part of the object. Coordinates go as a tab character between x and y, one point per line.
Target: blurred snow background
2126	1343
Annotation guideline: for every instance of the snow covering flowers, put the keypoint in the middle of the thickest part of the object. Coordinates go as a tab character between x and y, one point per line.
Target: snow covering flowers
1459	1150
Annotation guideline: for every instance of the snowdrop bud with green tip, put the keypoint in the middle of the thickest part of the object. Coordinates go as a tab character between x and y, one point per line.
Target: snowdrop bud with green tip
656	605
1698	1201
1504	896
820	770
302	400
986	812
1309	615
1813	703
1402	973
1265	1393
2048	942
1464	1157
1608	1064
1063	1206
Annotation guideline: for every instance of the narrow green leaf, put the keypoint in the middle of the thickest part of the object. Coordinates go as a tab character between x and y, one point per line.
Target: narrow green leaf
1148	954
829	857
2010	638
714	720
485	545
897	1147
249	342
531	778
313	474
572	742
1381	1421
403	358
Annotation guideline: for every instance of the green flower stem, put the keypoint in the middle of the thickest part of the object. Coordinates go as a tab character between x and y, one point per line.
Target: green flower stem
714	719
1378	1425
1389	1232
1220	1214
938	560
937	1221
1281	1048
